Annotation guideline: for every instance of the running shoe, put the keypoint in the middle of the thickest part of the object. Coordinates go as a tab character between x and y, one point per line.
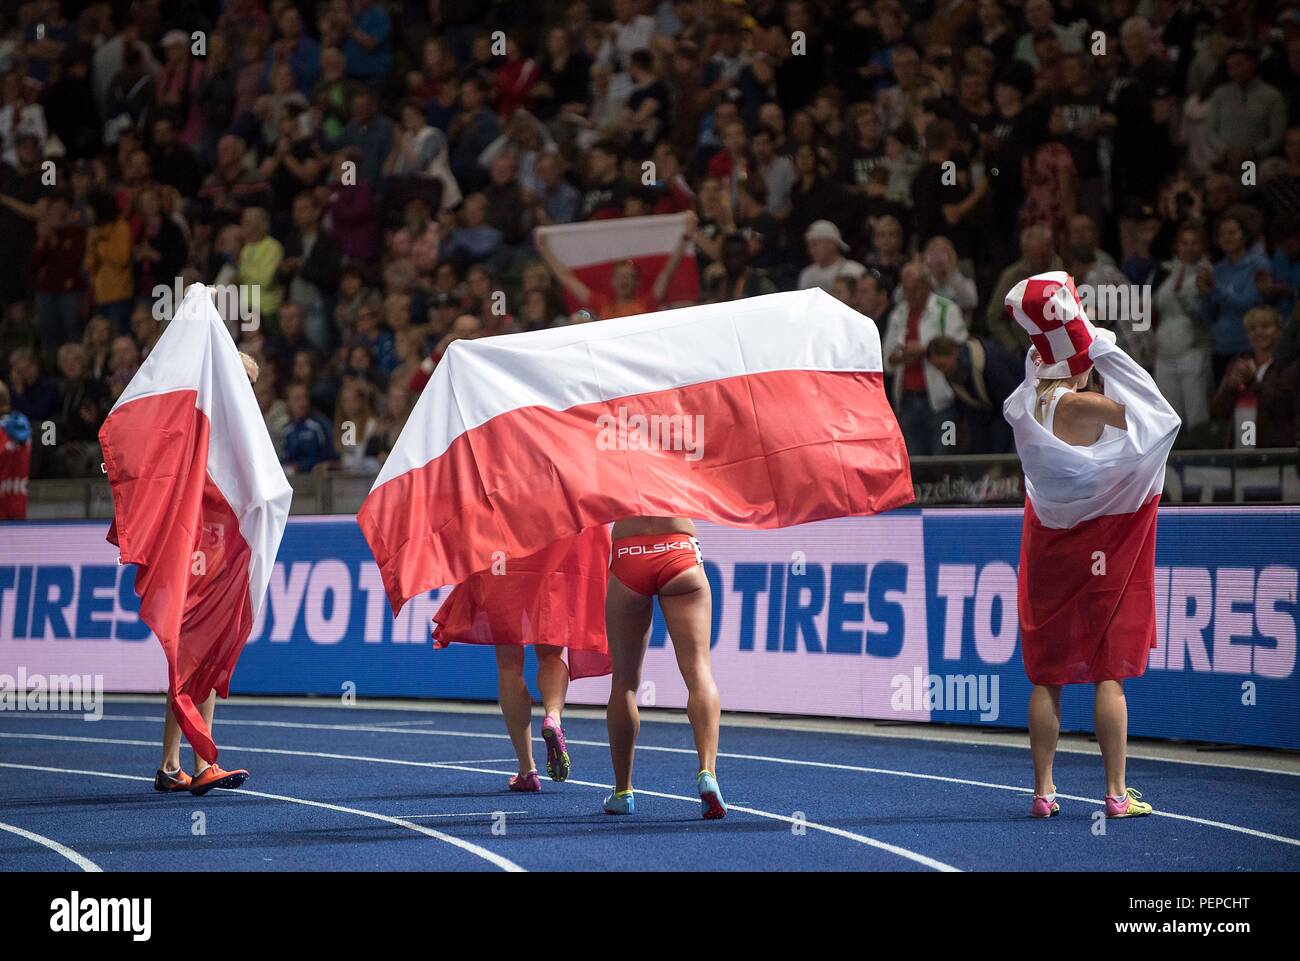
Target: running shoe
557	752
169	783
1128	805
1045	806
712	806
213	776
620	802
528	783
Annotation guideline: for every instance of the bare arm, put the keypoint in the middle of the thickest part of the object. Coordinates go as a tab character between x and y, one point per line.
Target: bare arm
562	273
666	275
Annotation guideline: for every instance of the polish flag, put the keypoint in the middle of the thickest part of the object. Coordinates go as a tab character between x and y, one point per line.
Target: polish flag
1086	587
592	248
760	413
199	503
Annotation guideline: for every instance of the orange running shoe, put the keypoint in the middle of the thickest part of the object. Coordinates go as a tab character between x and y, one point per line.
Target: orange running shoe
169	783
213	776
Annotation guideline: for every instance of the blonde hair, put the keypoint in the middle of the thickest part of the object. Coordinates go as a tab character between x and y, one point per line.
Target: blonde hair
250	367
1044	390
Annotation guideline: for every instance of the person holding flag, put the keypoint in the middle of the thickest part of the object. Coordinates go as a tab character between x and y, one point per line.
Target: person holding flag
554	600
765	413
1094	464
200	504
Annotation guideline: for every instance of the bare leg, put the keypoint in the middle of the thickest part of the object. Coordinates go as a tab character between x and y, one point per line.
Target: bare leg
1110	718
552	679
1044	732
171	745
516	703
206	709
627	625
687	604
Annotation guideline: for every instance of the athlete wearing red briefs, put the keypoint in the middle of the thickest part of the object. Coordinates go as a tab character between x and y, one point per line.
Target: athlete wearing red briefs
660	556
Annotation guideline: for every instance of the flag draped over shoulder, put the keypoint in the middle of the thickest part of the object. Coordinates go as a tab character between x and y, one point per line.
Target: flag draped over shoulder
761	413
1087	555
593	248
199	503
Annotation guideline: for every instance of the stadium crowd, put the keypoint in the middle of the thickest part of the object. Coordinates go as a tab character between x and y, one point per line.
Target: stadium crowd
375	171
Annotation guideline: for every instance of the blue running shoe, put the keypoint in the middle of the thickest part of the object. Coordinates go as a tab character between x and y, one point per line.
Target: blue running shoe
620	802
712	806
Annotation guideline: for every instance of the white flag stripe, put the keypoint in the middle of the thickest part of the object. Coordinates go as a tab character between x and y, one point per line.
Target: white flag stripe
632	355
602	241
195	352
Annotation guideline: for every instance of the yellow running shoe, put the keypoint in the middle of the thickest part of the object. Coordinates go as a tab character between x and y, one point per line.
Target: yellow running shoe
1127	805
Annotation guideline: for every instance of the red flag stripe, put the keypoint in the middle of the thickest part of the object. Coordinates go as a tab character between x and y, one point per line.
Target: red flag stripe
778	448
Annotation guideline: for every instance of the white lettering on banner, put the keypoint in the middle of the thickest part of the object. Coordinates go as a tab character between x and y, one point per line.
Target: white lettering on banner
331	584
376	602
1276	585
1190	610
956	584
997	581
285	597
1235	587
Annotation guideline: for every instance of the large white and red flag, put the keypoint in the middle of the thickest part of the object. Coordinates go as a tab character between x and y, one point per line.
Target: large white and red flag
761	413
1086	589
199	503
593	248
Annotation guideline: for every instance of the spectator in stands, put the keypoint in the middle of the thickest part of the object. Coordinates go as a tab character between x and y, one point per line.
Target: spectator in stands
354	427
1247	116
369	46
733	277
940	259
1183	336
310	268
259	261
923	400
1258	394
1230	288
826	249
1037	257
34	395
84	406
308	438
625	300
56	266
982	375
123	362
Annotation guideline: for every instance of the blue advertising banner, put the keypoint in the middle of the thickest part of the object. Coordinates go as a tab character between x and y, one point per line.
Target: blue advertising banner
906	616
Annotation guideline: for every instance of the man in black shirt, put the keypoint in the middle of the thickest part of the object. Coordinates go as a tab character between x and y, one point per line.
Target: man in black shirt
606	193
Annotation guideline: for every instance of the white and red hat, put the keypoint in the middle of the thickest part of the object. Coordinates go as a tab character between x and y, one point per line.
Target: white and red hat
1047	306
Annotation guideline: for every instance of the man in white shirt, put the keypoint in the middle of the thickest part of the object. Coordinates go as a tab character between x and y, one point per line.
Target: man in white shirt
827	249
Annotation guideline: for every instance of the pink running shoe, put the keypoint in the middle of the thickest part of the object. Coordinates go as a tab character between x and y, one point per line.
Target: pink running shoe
528	783
1044	807
1127	805
557	751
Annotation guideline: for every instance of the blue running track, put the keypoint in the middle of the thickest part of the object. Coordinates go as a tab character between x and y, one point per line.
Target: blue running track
336	789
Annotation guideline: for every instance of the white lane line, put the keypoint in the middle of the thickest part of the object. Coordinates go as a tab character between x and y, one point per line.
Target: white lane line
503	863
462	814
771	815
1221	825
79	860
390	727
